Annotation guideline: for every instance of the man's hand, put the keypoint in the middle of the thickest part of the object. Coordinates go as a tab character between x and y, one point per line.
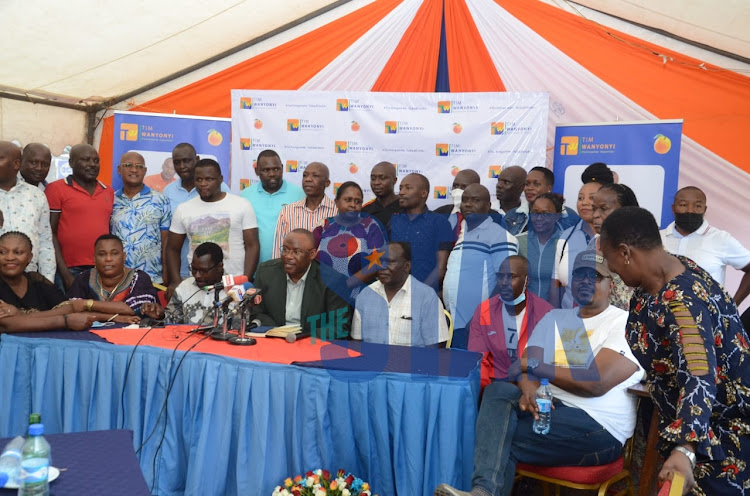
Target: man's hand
79	321
678	462
153	310
527	401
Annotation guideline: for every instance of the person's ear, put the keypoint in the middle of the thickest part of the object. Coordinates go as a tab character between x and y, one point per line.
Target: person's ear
625	252
328	182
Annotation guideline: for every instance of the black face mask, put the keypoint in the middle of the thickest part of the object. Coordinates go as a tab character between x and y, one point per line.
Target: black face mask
689	222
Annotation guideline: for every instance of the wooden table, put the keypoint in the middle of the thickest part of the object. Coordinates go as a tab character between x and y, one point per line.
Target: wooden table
651	457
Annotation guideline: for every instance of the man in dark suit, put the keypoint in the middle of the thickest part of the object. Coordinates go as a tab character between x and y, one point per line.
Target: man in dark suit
294	292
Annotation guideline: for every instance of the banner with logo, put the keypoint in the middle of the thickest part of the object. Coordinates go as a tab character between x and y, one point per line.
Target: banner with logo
155	135
644	155
435	134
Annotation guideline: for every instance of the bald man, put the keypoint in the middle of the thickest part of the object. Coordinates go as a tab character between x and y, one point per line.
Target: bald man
473	263
72	199
35	164
25	209
461	181
140	218
510	184
691	236
310	212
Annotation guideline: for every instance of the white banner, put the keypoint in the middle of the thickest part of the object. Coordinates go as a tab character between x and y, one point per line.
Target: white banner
435	134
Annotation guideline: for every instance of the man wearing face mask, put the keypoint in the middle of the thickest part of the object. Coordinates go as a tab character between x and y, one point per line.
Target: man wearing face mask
462	180
501	325
691	236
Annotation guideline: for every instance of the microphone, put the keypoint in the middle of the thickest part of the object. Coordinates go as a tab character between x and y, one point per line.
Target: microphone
292	337
252	296
235	294
227	282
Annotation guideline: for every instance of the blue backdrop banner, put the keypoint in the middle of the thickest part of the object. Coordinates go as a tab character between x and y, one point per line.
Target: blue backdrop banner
644	155
155	135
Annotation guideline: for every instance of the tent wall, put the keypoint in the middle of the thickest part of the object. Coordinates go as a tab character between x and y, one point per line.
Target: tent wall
28	122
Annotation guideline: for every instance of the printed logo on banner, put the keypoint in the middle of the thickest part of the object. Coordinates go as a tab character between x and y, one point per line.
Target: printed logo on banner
258	124
444	107
454	106
214	137
244	183
291	166
440	192
246	143
336	187
340	147
355	126
292	125
442	149
342	105
347	104
495	171
402	127
497	127
296	125
457	128
246	102
454	171
391	127
569	145
448	149
353	168
662	144
351	147
128	132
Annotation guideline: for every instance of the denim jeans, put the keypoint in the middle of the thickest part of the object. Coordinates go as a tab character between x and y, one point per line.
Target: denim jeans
505	437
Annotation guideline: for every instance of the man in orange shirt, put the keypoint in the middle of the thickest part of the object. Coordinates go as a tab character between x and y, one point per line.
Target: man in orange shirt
158	182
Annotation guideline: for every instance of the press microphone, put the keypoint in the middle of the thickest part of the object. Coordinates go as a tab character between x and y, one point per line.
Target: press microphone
292	337
252	296
235	294
227	282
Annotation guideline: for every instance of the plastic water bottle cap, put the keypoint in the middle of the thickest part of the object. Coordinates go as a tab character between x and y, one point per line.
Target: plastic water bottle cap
36	429
545	382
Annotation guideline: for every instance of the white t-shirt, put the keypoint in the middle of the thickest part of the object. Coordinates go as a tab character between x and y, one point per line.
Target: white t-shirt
220	222
570	341
511	324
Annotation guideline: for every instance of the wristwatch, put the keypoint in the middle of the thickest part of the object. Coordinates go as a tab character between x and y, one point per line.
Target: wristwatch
531	364
689	454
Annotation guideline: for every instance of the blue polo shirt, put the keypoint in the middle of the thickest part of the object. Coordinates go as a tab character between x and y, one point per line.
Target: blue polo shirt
427	234
267	207
177	195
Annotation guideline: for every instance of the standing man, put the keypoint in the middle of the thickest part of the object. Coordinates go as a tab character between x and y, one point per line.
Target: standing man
26	210
141	219
310	212
216	216
473	263
158	182
539	180
398	309
460	182
428	233
510	184
80	208
268	197
184	159
35	165
691	236
382	183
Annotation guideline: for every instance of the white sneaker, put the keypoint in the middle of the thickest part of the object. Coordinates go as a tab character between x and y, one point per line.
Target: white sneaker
446	490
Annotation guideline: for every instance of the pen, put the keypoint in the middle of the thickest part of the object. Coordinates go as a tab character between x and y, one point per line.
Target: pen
113	317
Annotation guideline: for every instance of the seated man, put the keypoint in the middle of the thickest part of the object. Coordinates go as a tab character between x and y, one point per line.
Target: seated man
294	293
501	325
414	313
584	354
190	303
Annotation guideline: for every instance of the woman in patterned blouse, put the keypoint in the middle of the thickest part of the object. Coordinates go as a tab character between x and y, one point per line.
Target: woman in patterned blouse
685	331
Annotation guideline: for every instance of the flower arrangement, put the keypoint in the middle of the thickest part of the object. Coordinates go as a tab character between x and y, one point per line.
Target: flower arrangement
322	483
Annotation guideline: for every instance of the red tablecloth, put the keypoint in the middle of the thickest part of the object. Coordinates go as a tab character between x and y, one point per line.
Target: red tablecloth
272	350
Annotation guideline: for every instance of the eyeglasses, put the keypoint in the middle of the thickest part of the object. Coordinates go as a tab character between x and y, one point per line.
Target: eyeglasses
591	275
195	270
129	165
294	252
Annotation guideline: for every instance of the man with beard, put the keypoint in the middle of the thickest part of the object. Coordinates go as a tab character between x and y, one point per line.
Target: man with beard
691	236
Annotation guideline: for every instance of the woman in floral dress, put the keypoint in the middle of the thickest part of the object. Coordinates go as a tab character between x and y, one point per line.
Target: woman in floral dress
685	331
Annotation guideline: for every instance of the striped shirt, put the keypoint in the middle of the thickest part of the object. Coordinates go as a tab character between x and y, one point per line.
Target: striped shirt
297	216
473	264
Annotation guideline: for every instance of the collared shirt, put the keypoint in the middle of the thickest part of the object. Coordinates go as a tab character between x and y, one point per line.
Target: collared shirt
709	247
381	212
178	195
471	275
415	315
83	218
191	304
294	293
296	215
267	208
25	209
139	223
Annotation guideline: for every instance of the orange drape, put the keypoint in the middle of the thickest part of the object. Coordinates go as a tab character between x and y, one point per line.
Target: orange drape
715	104
470	67
413	65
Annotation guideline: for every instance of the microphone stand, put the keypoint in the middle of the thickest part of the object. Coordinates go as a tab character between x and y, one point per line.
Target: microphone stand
224	334
217	311
241	339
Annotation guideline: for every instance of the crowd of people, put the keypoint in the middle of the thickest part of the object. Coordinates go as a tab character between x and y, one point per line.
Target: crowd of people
591	298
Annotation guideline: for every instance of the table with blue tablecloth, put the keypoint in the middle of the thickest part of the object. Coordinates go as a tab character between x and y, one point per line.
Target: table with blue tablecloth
401	418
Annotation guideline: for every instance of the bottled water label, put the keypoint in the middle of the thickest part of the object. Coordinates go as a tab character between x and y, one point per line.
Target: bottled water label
34	471
545	406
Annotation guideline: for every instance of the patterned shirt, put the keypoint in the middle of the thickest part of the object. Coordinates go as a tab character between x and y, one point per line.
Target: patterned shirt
139	223
296	215
191	304
25	209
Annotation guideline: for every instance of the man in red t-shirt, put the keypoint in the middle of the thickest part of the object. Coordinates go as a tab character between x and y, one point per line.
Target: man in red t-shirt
80	208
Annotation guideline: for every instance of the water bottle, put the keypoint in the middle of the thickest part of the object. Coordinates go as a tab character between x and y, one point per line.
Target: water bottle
10	461
35	418
35	464
544	402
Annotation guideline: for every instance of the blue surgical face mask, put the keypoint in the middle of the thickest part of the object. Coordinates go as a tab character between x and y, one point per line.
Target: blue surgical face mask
520	298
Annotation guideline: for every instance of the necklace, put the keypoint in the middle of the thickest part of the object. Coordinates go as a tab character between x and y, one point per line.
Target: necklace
102	289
